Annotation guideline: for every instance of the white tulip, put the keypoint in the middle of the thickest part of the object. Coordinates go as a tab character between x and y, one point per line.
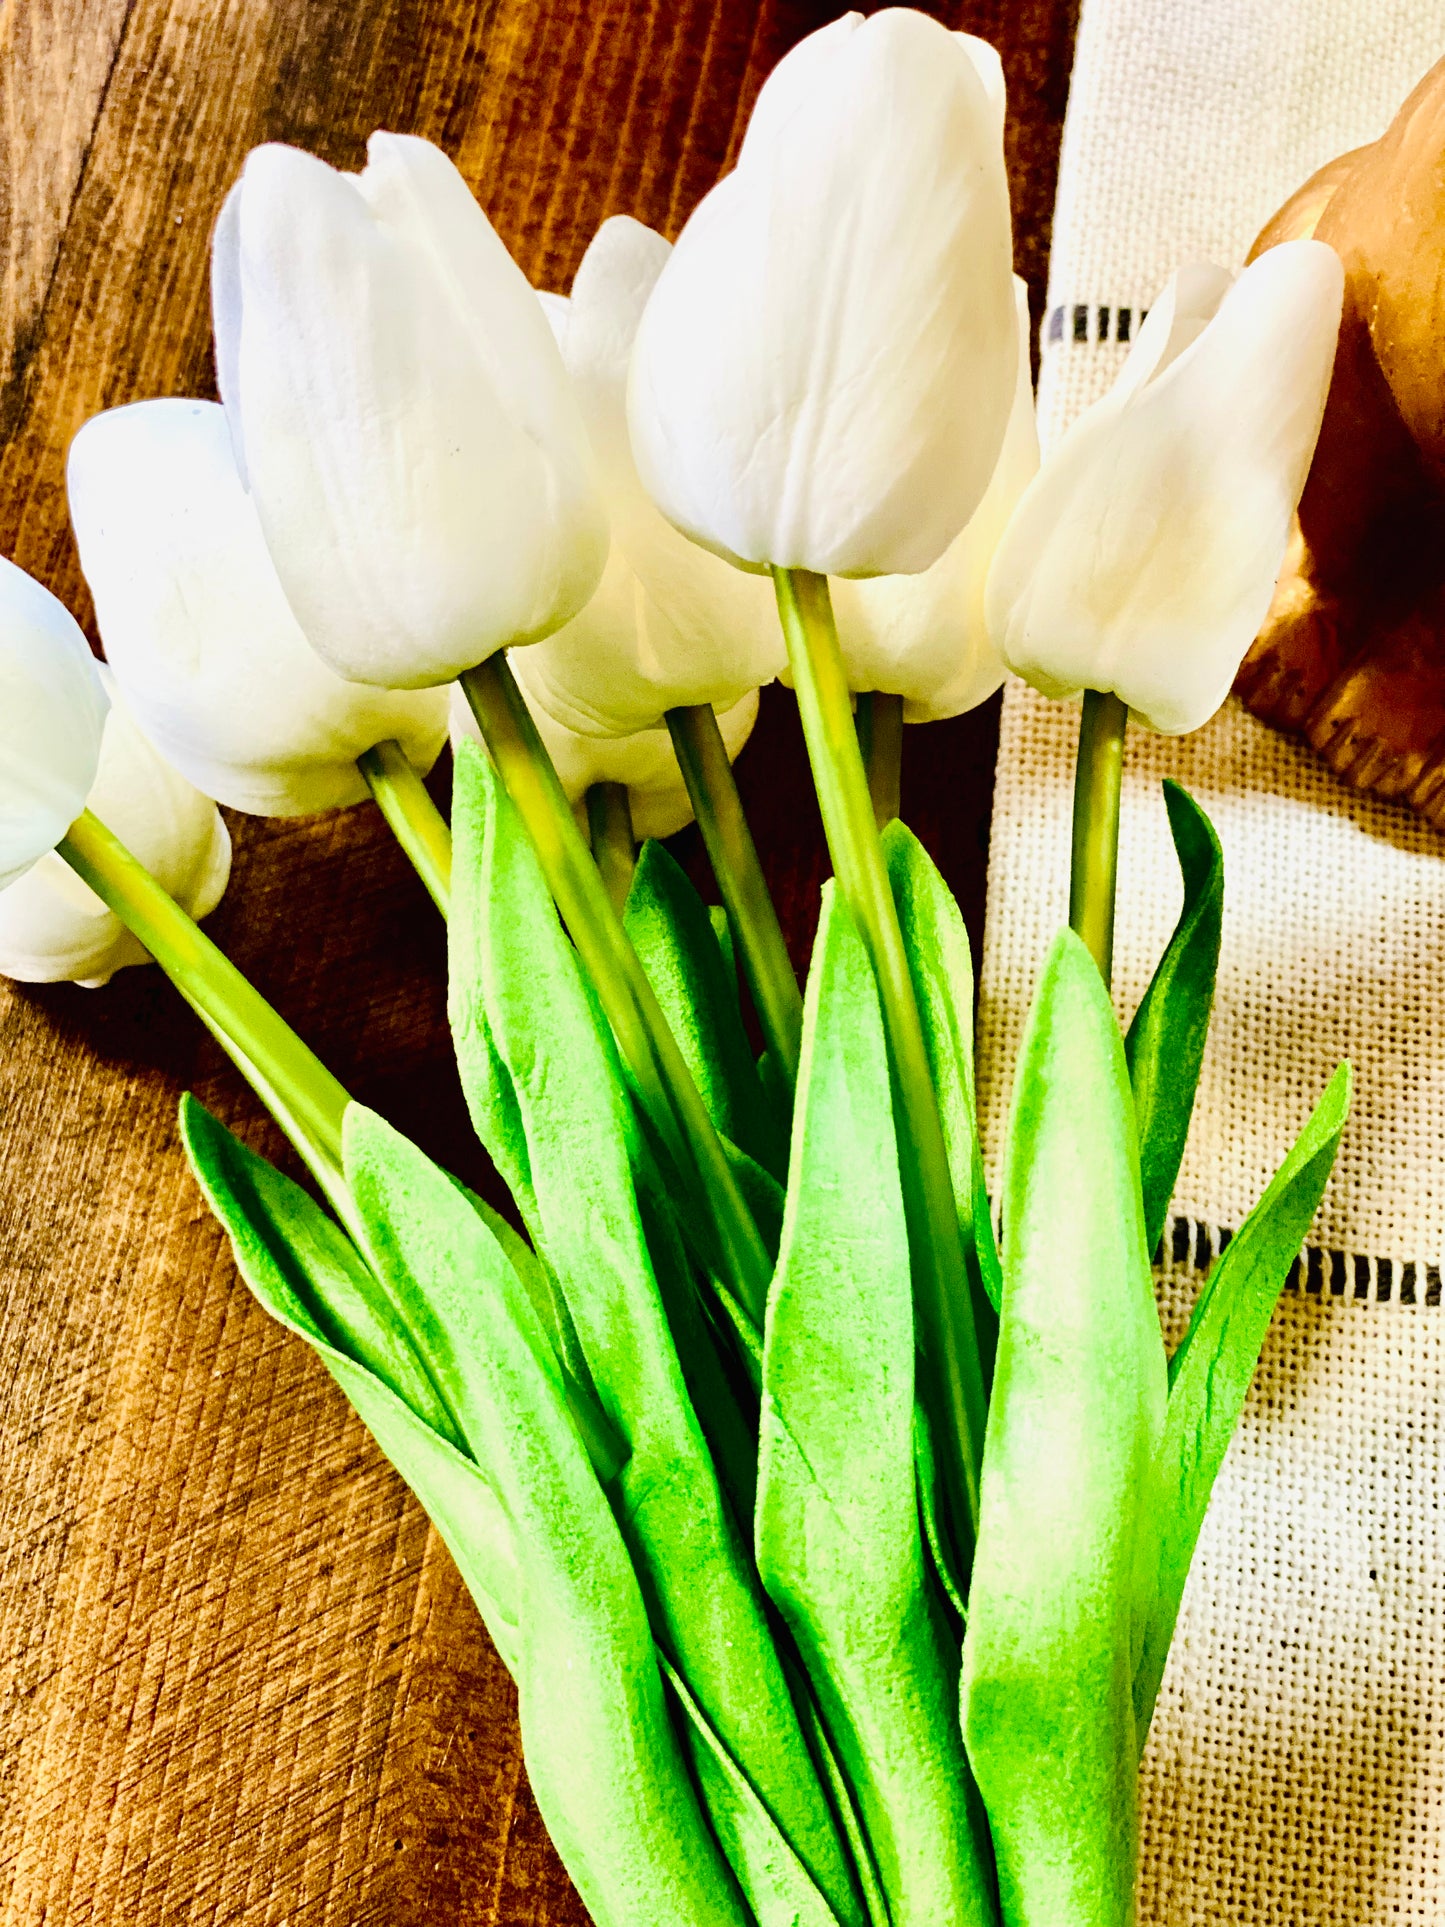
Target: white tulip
53	927
924	637
645	762
52	711
669	624
1143	558
209	658
401	415
824	371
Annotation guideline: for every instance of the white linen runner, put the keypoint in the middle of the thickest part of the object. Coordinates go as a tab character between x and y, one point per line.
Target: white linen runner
1296	1771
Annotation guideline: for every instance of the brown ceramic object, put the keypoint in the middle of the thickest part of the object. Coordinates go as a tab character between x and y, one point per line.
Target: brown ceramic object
1352	654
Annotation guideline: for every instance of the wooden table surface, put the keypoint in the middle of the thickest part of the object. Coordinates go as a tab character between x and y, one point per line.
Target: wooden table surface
239	1679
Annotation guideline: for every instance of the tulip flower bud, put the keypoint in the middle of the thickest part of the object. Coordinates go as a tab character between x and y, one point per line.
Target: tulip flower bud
646	762
1143	558
924	637
669	624
52	710
401	415
823	373
53	927
209	657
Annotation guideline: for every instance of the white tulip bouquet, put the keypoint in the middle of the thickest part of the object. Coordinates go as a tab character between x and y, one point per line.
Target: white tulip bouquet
834	1538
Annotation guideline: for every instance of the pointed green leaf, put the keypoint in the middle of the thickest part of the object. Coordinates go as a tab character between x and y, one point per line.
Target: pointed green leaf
775	1882
728	1417
942	969
534	1539
838	1538
723	931
541	1287
354	1310
1165	1045
1073	1428
761	1190
673	935
422	1236
530	1046
1209	1375
930	1512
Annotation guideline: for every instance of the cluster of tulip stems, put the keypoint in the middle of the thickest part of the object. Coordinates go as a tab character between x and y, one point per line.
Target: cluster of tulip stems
835	1551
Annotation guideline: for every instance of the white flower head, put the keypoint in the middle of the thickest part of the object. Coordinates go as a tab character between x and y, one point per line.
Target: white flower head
824	371
401	414
53	927
52	711
1143	558
925	637
203	643
669	624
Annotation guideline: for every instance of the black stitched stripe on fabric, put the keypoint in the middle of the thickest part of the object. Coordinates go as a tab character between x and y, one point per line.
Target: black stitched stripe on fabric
1319	1271
1092	323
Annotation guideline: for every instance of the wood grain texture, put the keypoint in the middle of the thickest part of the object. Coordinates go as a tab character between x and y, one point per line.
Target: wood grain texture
239	1679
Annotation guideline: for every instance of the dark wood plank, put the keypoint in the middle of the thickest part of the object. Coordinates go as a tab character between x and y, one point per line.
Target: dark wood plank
239	1679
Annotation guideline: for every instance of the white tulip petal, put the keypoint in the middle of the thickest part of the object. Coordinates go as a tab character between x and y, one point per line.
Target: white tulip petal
823	374
226	317
805	70
52	711
924	637
1143	558
645	762
420	471
1188	304
988	65
203	643
556	307
670	624
53	928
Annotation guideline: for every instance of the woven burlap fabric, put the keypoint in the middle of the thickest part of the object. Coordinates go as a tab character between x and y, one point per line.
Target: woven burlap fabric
1296	1771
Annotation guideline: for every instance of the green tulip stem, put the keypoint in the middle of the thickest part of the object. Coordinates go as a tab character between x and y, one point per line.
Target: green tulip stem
713	791
1094	870
948	1338
614	847
664	1083
412	817
880	739
289	1077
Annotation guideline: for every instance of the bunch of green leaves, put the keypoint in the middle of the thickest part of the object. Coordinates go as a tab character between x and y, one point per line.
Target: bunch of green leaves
753	1688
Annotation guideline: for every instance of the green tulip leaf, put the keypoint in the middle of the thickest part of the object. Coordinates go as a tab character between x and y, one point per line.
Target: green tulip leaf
761	1191
1165	1044
942	969
1074	1424
1210	1374
838	1539
930	1509
719	1395
531	1047
723	931
776	1883
534	1540
675	939
541	1286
